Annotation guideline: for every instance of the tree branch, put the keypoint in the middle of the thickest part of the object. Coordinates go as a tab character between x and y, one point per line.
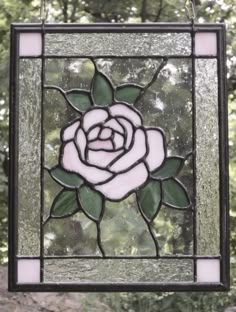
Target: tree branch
64	10
143	12
159	11
74	10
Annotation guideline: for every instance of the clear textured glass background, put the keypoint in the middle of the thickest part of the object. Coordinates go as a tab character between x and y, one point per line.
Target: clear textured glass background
167	104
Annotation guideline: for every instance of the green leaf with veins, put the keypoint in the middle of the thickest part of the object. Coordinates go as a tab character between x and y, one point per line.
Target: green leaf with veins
80	100
65	178
91	201
150	199
102	90
171	167
174	194
65	204
128	93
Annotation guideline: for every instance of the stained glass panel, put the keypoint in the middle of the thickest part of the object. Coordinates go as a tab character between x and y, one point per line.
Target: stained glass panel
119	137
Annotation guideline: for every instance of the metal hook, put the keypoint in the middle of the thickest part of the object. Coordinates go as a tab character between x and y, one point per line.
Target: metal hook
43	11
190	9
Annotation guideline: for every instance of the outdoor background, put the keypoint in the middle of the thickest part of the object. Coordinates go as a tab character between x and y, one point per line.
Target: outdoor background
70	11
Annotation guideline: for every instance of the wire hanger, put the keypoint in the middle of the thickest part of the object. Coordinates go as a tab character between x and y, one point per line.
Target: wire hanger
190	10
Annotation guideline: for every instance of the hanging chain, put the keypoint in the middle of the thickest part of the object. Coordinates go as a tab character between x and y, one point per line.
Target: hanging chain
43	11
190	10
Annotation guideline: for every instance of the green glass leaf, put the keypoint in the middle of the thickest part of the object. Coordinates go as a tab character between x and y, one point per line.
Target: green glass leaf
80	100
65	204
128	93
150	199
91	201
174	194
171	168
102	90
65	178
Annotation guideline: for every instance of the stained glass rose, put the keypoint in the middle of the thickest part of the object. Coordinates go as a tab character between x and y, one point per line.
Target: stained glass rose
111	149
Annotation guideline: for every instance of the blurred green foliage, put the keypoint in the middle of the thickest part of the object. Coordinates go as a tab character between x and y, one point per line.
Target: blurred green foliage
123	11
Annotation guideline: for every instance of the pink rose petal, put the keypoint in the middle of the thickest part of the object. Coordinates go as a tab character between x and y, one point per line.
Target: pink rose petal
69	132
102	158
71	162
128	112
101	144
112	123
93	117
129	131
93	134
81	142
118	140
156	153
137	151
105	133
123	183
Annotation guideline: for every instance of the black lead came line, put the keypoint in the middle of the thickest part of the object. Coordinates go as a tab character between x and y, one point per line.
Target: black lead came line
99	241
154	78
194	149
158	57
42	157
149	226
63	93
121	257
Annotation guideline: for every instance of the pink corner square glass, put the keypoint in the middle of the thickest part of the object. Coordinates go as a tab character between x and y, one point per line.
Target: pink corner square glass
28	271
205	44
30	44
208	271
